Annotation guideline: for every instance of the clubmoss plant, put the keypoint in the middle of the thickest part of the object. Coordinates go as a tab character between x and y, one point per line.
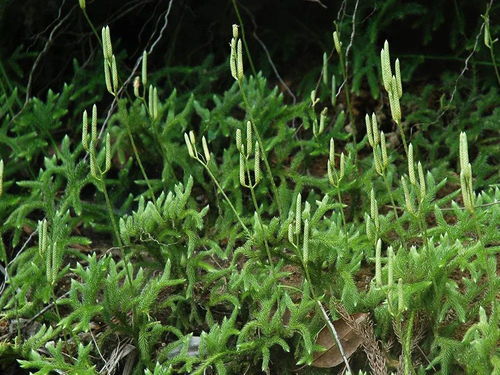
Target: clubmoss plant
229	266
236	65
394	88
98	172
204	160
112	85
335	177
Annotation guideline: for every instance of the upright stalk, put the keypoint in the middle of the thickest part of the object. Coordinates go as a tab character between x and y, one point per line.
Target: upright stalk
344	223
263	153
348	98
111	215
492	54
225	196
92	26
396	216
138	158
422	228
259	218
115	229
403	137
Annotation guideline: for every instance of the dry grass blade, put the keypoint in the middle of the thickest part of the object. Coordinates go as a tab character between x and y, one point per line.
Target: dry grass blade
350	340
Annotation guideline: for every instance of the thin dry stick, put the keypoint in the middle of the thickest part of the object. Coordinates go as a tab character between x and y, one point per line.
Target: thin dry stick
97	346
346	77
273	67
344	82
353	32
341	12
333	331
46	47
318	2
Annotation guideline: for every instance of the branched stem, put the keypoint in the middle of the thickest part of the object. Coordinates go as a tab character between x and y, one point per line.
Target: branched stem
263	152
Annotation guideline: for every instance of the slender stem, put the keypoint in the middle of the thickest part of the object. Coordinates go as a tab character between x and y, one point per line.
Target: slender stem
422	229
388	187
339	197
492	54
490	39
344	223
268	251
115	229
224	195
443	57
348	100
476	224
254	200
396	217
163	147
92	27
262	151
110	212
403	137
58	314
137	157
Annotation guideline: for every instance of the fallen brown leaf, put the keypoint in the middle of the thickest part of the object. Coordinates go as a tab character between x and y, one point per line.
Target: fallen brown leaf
349	340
